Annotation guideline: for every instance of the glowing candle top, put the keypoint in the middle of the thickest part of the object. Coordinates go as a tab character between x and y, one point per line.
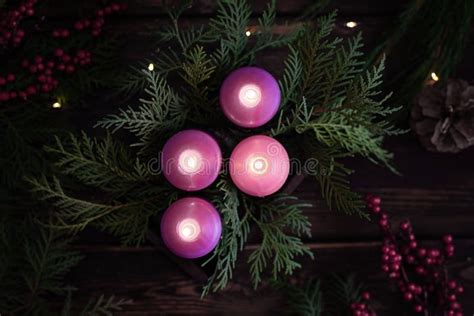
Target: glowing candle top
191	227
191	160
250	97
259	165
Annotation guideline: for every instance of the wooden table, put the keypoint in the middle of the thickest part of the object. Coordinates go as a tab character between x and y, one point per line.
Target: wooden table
436	191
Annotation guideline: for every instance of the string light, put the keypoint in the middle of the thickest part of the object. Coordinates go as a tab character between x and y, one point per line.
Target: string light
248	33
151	67
57	105
351	24
434	76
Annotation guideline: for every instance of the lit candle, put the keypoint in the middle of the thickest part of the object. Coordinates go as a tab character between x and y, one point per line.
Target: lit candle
250	97
191	160
259	165
191	227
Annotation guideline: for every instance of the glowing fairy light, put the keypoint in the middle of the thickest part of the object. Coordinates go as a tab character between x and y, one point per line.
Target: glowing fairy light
151	67
434	76
56	105
351	24
248	33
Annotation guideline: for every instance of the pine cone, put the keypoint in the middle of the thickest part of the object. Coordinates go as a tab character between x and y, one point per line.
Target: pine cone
443	116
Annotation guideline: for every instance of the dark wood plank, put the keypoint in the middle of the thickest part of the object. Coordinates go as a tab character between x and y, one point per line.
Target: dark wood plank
207	7
158	287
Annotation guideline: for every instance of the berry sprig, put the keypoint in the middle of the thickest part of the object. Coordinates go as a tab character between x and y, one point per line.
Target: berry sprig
419	272
362	308
43	71
10	31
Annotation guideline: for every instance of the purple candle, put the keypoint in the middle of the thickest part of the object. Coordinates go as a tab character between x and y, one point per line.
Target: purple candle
259	165
191	227
250	97
191	160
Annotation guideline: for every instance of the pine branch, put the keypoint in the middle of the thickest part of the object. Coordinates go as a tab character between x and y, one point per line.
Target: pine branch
277	216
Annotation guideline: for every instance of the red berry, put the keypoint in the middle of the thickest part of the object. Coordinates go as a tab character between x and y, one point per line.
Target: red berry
79	25
452	284
70	69
408	296
460	289
65	33
366	296
418	308
448	239
31	90
413	244
58	52
33	69
404	225
452	298
420	270
455	305
410	259
10	77
2	81
421	252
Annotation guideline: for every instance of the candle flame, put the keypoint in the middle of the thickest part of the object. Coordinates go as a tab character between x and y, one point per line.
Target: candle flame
258	165
189	229
190	161
250	95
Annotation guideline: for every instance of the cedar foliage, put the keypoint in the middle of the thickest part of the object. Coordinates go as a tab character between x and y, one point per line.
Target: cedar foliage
330	103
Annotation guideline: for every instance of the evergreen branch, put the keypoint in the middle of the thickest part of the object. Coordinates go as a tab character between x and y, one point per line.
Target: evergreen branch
162	112
36	270
332	177
277	216
291	78
234	236
307	300
104	306
102	164
230	24
126	220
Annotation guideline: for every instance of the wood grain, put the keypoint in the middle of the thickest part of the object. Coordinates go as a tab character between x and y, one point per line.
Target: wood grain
158	287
